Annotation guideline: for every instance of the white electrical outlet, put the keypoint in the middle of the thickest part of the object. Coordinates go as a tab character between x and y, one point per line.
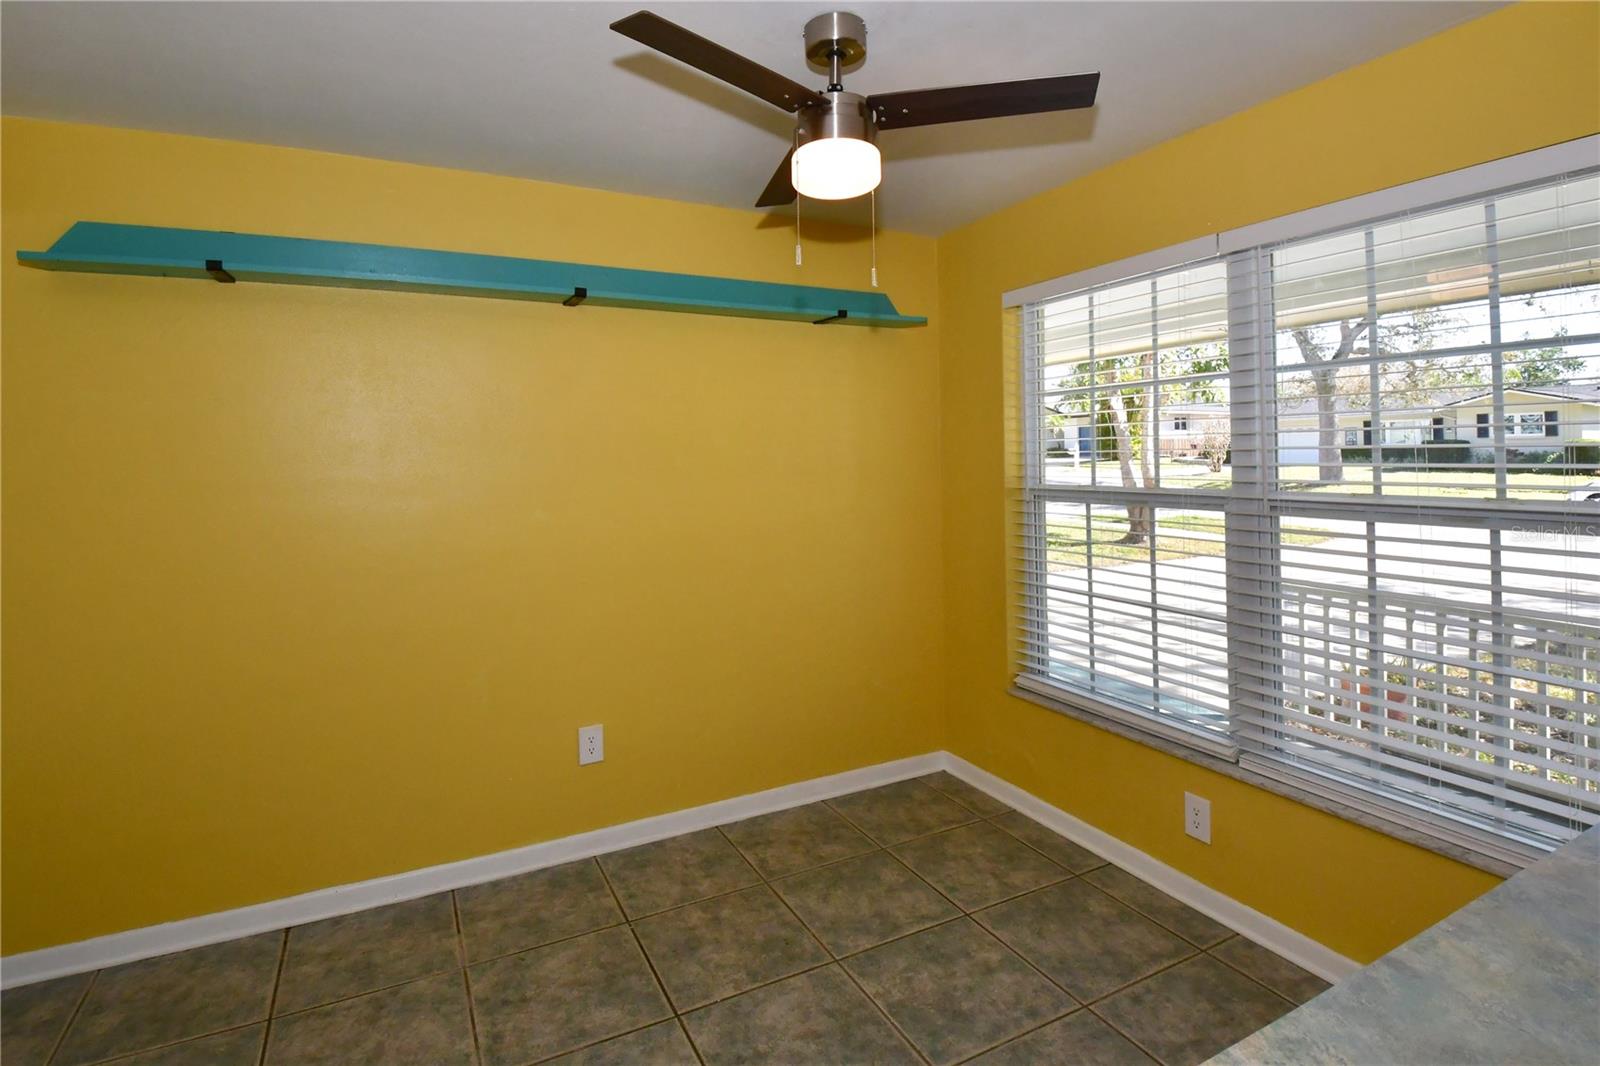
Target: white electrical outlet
591	744
1197	817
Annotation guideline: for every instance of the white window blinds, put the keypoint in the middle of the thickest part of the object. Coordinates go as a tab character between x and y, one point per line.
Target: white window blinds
1436	642
1332	507
1123	527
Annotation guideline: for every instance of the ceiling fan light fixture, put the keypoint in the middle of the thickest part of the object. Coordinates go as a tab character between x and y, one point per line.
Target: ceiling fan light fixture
836	168
833	157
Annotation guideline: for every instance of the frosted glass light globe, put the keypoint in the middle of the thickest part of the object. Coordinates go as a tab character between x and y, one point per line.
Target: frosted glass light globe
836	168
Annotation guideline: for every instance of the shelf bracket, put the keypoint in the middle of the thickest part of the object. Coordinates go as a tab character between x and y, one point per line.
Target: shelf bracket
839	317
579	294
214	268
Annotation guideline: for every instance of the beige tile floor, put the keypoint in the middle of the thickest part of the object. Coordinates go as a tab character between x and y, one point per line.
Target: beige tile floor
917	922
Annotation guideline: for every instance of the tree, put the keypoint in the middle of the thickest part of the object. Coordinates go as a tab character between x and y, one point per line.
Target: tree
1543	367
1323	362
1123	411
1215	444
1327	347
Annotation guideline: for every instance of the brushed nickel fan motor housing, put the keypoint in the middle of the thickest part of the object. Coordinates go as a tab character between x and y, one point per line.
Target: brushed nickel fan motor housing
836	35
842	115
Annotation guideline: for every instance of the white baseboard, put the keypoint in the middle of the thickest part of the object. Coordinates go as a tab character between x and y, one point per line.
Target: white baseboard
116	948
150	941
1268	932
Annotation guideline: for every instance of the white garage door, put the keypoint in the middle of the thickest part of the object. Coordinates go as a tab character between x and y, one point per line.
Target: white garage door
1297	447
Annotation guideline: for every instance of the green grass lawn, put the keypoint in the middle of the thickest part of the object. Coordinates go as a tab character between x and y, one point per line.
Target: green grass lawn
1067	541
1471	484
1357	480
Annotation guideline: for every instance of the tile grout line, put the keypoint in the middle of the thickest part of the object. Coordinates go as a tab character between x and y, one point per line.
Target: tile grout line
1196	951
466	978
961	912
812	968
1078	1009
969	915
883	1011
625	1032
1201	948
596	1043
694	1049
1129	1037
272	1000
123	1056
356	995
128	1056
648	961
1022	1035
1142	978
837	960
993	820
61	1037
1101	1000
272	1018
1246	974
764	881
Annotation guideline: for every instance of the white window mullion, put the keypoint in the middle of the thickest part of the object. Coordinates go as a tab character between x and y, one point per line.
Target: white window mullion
1497	361
1252	562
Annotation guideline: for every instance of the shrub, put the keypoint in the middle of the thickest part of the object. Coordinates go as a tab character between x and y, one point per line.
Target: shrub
1584	456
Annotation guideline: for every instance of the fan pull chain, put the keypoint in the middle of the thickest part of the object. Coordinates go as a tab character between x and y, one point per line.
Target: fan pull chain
873	195
797	260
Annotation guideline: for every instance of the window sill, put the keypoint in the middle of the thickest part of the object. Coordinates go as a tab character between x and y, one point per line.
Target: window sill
1139	726
1395	826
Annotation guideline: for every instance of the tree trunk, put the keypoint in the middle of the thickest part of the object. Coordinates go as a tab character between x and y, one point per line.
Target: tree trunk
1139	518
1330	461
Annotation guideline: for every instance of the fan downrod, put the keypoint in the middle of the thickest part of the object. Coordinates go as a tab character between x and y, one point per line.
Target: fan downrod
836	40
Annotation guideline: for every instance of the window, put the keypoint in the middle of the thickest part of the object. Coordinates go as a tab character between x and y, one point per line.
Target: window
1525	425
1125	594
1180	423
1412	627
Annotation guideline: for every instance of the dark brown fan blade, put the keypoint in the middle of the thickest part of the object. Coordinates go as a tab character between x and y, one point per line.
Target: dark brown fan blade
927	107
780	190
715	60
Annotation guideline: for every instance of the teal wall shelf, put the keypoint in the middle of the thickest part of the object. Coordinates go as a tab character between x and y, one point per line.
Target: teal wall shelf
108	248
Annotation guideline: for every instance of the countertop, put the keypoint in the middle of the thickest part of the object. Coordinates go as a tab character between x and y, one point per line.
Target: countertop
1512	977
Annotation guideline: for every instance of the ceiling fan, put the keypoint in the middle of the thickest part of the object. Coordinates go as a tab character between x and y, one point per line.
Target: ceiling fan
834	157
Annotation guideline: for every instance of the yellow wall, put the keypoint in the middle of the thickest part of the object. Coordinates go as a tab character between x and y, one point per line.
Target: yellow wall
1514	80
305	586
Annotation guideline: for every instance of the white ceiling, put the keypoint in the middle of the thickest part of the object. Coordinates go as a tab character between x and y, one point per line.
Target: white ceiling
545	90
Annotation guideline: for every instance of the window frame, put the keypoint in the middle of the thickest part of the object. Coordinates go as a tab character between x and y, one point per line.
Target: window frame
1247	252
